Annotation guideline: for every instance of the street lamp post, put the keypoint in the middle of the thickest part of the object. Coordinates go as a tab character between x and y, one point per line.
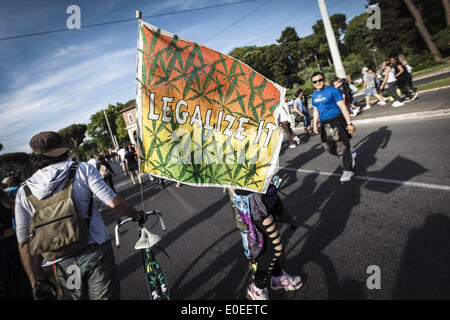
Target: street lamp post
331	38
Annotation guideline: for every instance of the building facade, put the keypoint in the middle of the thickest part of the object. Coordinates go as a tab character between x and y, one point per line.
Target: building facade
129	115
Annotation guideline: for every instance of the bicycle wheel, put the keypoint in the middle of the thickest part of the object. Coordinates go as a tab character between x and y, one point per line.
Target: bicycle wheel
154	277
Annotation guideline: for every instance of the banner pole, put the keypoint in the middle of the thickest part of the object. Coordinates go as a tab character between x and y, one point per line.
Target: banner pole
139	151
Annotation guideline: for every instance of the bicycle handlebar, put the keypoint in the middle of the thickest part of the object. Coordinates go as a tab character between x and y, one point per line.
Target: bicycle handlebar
121	222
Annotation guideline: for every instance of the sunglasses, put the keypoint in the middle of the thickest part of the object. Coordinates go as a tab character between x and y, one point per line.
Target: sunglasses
317	81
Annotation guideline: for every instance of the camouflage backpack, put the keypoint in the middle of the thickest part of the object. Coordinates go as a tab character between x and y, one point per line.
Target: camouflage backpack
56	228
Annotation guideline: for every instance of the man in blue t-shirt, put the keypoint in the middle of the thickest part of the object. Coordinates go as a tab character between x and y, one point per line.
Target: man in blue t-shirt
336	124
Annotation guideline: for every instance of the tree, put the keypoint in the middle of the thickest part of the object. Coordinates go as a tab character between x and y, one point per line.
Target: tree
423	30
258	58
122	133
321	44
74	134
88	148
289	60
446	5
16	163
98	129
398	32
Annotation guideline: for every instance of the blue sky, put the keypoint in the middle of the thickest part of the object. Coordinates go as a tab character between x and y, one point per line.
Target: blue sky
51	81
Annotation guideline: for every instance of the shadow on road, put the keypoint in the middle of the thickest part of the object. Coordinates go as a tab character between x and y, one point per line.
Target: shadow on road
133	262
333	202
425	266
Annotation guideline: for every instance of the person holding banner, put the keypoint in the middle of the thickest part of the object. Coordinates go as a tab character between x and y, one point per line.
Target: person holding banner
336	125
281	115
256	216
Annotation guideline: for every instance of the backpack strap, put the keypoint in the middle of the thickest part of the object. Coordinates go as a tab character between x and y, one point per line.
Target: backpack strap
35	201
72	170
26	188
89	215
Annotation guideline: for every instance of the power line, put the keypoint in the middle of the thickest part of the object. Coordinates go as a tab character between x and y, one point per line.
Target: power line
125	20
238	20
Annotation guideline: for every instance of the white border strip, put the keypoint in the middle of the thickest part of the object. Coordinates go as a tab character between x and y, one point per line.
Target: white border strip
399	182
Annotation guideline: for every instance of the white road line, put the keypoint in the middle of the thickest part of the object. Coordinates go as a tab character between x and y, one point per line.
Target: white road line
185	204
399	182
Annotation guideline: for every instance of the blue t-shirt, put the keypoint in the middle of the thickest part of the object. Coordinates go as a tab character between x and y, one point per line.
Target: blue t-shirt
326	101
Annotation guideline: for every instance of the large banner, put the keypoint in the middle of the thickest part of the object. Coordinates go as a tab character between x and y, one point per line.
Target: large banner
204	118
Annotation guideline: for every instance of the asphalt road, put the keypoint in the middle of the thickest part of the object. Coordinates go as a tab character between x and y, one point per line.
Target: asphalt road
399	223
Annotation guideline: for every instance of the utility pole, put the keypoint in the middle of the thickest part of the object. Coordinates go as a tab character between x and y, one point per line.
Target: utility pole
110	132
335	55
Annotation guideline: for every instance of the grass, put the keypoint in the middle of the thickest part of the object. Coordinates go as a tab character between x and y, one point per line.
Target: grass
438	67
434	84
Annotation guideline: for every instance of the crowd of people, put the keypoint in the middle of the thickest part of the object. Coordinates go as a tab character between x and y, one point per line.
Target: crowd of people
392	81
33	211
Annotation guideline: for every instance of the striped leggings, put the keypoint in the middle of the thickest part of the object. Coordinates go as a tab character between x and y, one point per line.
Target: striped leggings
268	261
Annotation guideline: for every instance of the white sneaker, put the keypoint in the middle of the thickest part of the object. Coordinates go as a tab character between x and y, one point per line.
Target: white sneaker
367	107
382	102
397	104
353	159
297	140
254	293
347	176
292	146
355	112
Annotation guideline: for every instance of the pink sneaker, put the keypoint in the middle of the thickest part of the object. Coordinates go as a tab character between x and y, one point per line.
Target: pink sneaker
286	282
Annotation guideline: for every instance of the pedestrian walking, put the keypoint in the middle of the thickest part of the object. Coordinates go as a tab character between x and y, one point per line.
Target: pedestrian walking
336	125
301	107
350	89
370	88
391	80
377	82
339	84
256	215
161	182
93	161
57	219
14	284
121	158
132	165
408	68
13	184
106	171
402	79
282	117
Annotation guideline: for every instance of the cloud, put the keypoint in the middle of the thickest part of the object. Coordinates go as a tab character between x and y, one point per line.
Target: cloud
64	93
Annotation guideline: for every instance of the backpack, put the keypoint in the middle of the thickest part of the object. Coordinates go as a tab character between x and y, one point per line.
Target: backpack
56	229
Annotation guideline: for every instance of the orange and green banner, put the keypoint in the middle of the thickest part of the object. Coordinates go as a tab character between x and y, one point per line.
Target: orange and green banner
204	118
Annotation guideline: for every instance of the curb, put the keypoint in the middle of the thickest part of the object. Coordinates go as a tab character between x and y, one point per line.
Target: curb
399	117
404	116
